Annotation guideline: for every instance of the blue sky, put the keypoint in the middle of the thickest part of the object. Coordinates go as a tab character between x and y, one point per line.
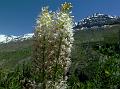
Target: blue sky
18	17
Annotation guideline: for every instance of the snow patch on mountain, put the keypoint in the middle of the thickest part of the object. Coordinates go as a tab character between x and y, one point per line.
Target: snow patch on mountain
2	38
9	38
97	20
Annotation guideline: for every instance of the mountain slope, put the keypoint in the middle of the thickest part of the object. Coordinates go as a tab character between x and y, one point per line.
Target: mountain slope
16	49
7	38
97	20
14	53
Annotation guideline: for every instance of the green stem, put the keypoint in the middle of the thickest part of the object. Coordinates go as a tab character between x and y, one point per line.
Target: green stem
43	65
58	55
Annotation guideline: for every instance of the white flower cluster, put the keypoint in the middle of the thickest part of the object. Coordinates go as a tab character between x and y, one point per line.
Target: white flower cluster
54	38
57	85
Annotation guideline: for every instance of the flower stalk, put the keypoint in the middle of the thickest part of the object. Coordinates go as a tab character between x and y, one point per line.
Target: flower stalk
53	40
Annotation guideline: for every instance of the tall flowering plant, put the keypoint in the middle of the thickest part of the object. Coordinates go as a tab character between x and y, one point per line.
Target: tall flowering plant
53	40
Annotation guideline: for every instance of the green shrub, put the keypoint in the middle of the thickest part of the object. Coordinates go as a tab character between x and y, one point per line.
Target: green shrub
97	64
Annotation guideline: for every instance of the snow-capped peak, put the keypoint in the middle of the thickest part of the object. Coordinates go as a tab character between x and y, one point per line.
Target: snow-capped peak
97	20
9	38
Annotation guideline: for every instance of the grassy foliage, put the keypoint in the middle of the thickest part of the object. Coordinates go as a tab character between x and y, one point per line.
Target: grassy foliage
107	35
95	62
10	59
20	78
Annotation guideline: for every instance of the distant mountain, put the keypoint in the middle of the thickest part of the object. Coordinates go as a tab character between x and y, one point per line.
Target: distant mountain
97	20
9	38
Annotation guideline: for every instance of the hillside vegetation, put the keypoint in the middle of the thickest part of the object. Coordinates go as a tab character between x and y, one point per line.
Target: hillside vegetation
109	34
13	53
95	59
